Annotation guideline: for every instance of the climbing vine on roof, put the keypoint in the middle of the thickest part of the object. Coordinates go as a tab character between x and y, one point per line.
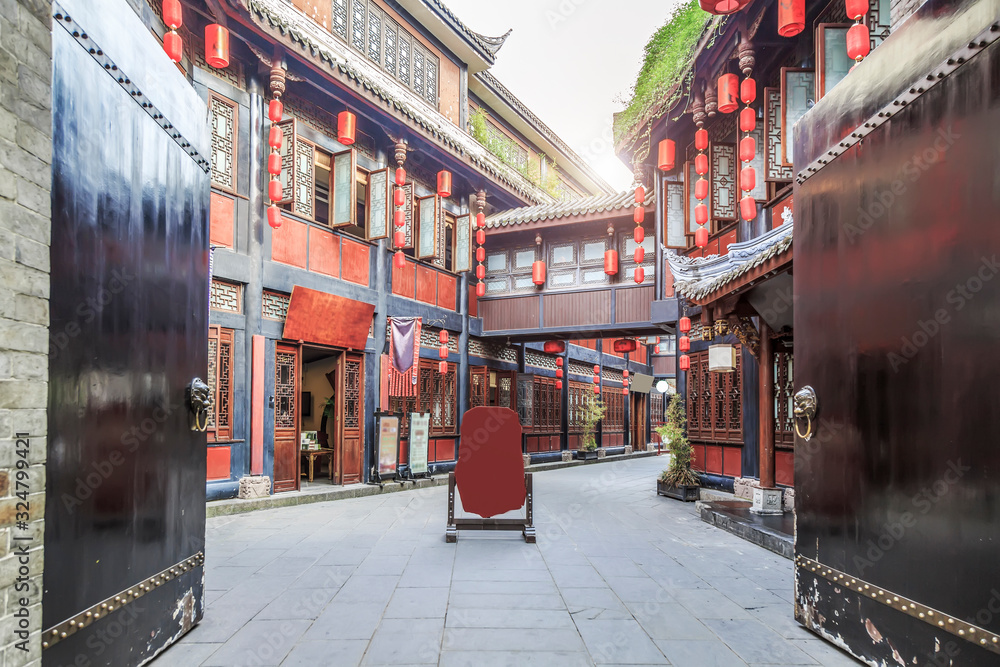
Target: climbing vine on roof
666	56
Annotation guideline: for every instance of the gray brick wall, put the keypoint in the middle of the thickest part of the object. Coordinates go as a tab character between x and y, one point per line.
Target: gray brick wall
25	185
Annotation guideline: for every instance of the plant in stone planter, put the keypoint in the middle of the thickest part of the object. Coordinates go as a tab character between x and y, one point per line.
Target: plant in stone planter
678	480
593	412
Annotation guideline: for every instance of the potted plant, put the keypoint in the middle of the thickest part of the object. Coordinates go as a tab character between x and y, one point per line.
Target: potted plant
678	480
593	412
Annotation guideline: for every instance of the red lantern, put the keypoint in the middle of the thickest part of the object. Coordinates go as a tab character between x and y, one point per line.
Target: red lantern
399	197
748	208
597	390
858	42
701	139
480	271
640	254
538	273
748	179
559	373
399	238
722	7
481	220
791	17
443	337
611	262
656	350
275	137
173	46
748	146
597	379
623	345
443	368
748	120
728	85
399	259
624	391
639	275
274	190
481	236
400	176
347	125
559	385
701	214
748	90
399	218
683	343
443	352
701	237
640	195
274	164
701	188
666	155
701	164
275	111
559	362
480	254
684	324
554	346
855	9
639	215
172	16
625	372
444	184
274	216
597	370
217	46
481	290
639	235
684	363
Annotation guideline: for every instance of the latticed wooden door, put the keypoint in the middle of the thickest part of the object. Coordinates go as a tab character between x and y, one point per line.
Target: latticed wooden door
352	423
286	418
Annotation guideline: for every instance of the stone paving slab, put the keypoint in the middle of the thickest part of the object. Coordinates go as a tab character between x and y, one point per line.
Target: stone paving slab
619	576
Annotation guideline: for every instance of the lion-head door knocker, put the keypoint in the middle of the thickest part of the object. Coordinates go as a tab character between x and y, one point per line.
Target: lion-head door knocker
804	406
199	400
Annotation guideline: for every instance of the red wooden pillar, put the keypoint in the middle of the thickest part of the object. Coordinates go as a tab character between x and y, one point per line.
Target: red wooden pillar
766	402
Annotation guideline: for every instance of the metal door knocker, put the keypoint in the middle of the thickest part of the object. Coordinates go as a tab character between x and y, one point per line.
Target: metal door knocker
804	406
199	400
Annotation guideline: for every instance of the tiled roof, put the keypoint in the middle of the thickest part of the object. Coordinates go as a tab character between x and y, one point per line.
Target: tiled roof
493	44
697	277
566	209
488	44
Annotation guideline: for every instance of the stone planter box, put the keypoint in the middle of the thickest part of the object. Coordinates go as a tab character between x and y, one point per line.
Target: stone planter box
685	493
582	455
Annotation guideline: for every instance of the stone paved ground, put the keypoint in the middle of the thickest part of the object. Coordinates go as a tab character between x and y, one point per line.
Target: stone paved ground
618	576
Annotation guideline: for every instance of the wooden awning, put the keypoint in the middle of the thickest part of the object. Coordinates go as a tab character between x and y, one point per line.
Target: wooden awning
326	319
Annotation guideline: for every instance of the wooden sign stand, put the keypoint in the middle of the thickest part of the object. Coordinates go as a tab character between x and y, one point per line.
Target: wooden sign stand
525	525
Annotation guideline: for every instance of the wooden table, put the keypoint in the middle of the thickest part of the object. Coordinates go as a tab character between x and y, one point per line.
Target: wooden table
313	454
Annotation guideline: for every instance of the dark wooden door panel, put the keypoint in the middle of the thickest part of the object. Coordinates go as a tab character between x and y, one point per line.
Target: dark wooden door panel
286	418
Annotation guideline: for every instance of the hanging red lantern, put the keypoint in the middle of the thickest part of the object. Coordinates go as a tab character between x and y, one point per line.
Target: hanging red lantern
399	218
684	363
274	190
444	184
481	290
640	194
748	146
275	111
728	86
701	164
597	379
217	46
683	343
791	17
748	208
722	7
666	155
701	139
597	390
443	337
538	273
559	373
443	352
684	324
858	42
748	179
347	126
559	362
559	385
625	372
443	368
554	347
748	90
400	176
597	370
623	345
480	271
748	120
399	238
701	214
481	220
274	164
480	254
399	197
640	254
275	137
173	46
611	262
639	275
172	16
274	216
701	237
639	235
656	350
481	236
855	9
624	391
701	188
639	215
399	259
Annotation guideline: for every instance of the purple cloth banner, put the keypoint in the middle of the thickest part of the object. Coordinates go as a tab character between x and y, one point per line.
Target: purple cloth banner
404	331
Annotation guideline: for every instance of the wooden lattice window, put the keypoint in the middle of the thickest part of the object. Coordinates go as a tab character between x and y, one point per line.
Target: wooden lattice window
220	383
480	380
353	383
546	406
436	394
614	417
714	401
285	398
226	296
657	416
274	305
223	118
784	418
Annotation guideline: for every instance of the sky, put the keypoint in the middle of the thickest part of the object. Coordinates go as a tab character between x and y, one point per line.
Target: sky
572	62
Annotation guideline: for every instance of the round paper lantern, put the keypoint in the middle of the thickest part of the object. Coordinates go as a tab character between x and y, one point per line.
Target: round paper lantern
399	259
597	390
855	9
399	238
399	218
640	194
274	190
625	373
400	176
481	220
554	347
748	120
559	372
666	155
399	197
443	352
538	273
748	146
701	188
640	275
748	208
481	290
748	179
559	385
701	237
639	235
443	368
701	164
611	262
480	271
444	184
274	216
728	85
173	46
173	17
597	370
559	362
481	236
640	254
274	164
684	363
217	46
791	17
722	7
683	343
858	41
701	139
597	379
656	350
480	254
275	111
443	337
684	324
347	126
748	90
701	214
275	137
639	215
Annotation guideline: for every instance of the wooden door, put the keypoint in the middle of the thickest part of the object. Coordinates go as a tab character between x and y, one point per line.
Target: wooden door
351	424
638	416
286	418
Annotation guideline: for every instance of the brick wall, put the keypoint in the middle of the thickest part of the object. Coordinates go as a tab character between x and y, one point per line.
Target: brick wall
900	10
25	184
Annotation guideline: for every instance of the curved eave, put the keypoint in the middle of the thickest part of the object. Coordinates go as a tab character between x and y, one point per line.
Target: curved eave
475	51
610	208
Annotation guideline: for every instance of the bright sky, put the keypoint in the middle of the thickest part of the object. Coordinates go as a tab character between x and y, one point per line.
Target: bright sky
572	62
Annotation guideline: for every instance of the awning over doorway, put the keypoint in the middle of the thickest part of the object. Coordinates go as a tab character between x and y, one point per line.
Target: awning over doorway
326	319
